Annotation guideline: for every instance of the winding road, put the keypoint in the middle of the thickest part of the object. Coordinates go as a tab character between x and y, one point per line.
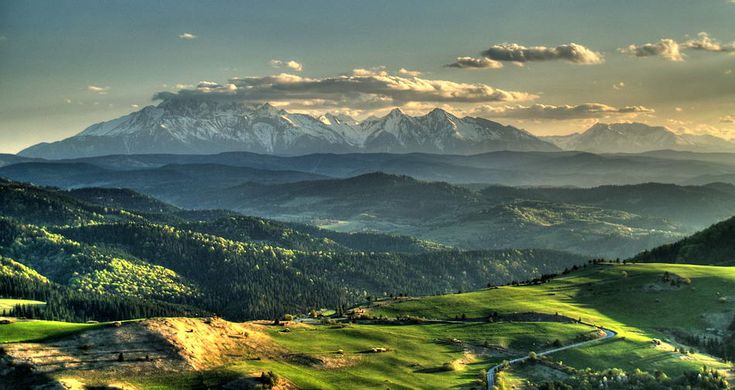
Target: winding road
492	371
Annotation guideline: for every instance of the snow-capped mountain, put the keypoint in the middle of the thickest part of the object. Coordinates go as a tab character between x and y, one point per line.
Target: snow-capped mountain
636	138
441	131
199	127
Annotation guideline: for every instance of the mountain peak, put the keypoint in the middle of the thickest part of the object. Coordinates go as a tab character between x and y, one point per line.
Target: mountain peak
267	109
438	113
396	112
636	137
627	127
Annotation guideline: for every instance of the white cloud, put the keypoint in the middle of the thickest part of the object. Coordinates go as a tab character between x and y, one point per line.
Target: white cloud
706	43
290	64
98	90
135	105
571	52
619	85
728	119
562	112
670	49
360	89
412	73
187	36
678	109
665	48
704	129
475	63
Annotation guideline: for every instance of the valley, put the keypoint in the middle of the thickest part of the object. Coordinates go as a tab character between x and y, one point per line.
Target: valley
219	271
614	221
359	195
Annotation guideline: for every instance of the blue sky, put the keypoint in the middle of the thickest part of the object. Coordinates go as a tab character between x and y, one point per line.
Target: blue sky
67	64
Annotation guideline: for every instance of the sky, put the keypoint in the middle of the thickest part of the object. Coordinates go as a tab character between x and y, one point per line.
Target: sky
550	67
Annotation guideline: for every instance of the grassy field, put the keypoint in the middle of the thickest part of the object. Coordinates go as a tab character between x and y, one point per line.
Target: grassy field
8	304
416	354
38	330
639	301
633	300
415	358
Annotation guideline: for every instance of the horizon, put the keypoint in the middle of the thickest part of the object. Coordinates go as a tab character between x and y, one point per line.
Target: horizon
414	113
606	63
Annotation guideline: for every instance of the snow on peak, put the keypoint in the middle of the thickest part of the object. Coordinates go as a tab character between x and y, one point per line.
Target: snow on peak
209	126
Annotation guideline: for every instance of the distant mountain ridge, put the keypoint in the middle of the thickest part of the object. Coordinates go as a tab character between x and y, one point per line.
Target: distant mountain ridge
638	138
202	127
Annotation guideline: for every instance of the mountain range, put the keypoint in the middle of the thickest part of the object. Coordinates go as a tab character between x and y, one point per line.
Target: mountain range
637	138
201	127
192	126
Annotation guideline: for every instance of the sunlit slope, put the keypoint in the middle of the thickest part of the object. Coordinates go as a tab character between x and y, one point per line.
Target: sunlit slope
324	356
32	330
640	301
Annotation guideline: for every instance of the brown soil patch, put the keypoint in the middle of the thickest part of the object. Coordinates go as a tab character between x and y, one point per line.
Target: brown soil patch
205	343
168	344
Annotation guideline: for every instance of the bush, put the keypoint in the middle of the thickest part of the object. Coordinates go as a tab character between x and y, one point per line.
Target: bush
532	357
268	379
454	365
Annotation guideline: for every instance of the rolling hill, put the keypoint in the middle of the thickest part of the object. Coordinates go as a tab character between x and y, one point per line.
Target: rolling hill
661	340
662	322
607	221
612	221
271	268
507	168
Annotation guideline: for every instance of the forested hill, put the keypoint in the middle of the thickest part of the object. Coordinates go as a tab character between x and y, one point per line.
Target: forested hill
712	246
53	207
235	266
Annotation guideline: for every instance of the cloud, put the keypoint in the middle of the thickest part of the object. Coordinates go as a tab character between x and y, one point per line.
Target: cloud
571	52
727	119
98	90
187	36
412	73
665	48
670	49
706	43
360	89
619	85
475	63
291	64
705	129
563	112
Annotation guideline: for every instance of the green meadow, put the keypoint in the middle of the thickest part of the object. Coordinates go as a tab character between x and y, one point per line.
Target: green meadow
642	302
634	300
